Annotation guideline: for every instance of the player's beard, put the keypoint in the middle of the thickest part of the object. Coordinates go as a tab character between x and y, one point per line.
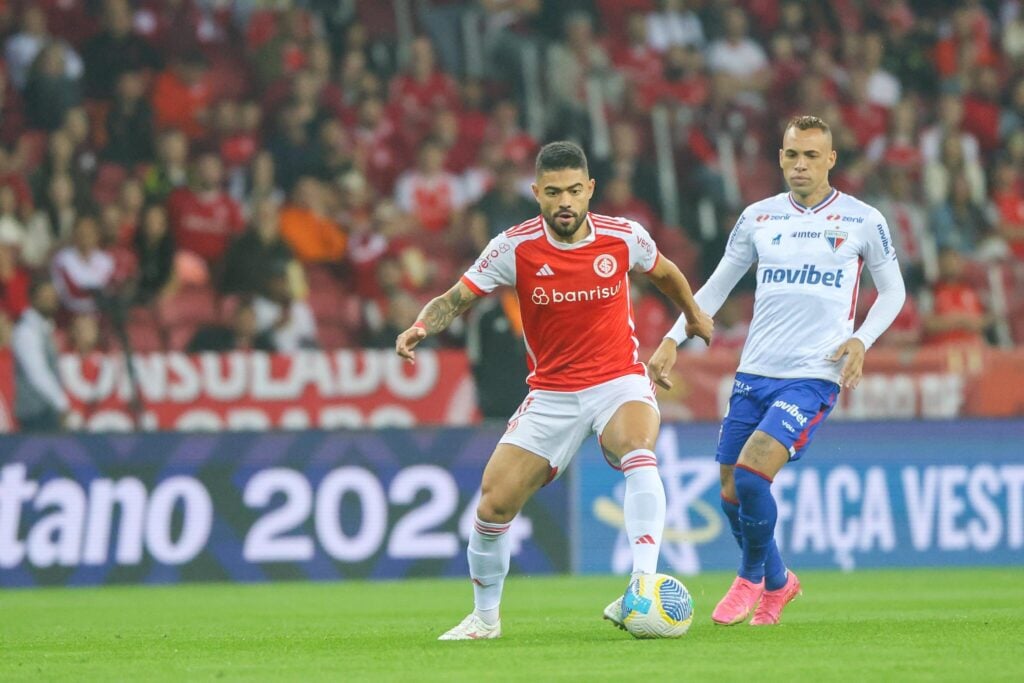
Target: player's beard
568	229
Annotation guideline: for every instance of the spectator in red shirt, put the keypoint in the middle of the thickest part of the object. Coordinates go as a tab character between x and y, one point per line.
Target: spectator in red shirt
956	314
182	95
982	108
204	217
1009	201
377	143
433	196
505	130
866	119
684	80
637	60
424	88
14	278
967	43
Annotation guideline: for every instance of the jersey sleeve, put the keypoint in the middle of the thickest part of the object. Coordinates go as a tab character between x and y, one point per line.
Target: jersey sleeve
739	250
643	253
878	247
493	268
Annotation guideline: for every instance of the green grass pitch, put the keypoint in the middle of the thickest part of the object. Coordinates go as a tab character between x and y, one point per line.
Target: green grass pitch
928	625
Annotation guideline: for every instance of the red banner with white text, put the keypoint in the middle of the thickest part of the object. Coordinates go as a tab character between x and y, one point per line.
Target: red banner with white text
374	388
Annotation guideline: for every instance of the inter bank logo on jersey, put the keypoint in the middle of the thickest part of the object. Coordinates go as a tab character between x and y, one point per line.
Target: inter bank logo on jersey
835	238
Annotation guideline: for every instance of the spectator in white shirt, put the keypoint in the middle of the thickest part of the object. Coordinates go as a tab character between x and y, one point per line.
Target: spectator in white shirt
674	25
82	269
883	88
949	124
23	47
739	63
288	322
40	403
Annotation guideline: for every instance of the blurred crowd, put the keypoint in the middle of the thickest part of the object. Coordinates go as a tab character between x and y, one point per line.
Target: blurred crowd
203	175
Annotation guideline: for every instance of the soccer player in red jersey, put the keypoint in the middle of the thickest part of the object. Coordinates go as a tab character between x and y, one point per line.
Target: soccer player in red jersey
570	269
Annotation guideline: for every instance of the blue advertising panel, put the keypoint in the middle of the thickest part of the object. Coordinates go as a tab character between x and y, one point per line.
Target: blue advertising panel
864	495
159	508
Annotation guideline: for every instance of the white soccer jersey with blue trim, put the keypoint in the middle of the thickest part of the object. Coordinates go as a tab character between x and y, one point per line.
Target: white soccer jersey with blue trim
809	262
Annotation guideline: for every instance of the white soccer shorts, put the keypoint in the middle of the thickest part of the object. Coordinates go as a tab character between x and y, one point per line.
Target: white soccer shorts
554	424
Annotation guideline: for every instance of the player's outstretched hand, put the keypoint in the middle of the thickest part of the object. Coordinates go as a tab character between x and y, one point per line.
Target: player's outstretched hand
408	340
853	369
661	363
702	327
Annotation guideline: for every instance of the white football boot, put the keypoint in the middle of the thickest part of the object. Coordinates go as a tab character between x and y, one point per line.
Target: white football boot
613	613
473	628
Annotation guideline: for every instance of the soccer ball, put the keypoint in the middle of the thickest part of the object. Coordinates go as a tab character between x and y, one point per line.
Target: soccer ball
657	606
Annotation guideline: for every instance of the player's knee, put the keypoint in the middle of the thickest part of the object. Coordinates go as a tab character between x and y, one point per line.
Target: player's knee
495	508
627	443
749	483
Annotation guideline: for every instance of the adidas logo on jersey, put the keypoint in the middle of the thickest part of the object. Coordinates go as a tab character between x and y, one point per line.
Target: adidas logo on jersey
545	271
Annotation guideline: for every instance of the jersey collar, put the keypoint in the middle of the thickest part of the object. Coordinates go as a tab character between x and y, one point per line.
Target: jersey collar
832	196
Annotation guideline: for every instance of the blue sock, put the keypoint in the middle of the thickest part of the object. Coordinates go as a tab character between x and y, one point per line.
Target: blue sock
774	568
732	513
775	573
758	514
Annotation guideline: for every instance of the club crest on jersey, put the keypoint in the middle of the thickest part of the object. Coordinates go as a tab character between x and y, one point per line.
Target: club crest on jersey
836	238
605	265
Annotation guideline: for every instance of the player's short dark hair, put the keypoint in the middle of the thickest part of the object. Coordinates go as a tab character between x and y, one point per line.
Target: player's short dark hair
559	155
806	122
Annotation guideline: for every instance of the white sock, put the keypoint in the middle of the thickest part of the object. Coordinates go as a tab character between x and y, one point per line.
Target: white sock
489	554
644	508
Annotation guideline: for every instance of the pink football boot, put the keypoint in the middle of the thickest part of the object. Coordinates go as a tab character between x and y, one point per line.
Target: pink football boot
738	603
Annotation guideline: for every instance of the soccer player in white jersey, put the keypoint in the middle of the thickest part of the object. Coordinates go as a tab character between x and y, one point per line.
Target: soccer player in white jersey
809	245
570	269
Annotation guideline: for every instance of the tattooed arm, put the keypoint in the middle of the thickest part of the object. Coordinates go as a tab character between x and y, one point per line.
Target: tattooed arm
435	317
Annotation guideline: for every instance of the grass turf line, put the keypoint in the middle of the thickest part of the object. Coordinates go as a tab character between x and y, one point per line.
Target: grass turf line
941	624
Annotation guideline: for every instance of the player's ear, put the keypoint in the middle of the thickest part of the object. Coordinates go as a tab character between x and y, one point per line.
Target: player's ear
536	191
592	184
831	159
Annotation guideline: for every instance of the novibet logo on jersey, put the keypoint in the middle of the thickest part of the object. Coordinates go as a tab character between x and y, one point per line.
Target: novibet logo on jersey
807	275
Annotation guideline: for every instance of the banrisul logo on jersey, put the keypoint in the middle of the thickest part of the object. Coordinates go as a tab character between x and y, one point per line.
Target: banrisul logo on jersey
806	275
542	296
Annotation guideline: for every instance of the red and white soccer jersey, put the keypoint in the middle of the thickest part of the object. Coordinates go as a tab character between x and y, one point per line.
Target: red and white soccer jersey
577	317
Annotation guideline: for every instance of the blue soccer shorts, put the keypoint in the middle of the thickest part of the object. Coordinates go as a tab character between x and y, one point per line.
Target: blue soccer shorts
789	410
